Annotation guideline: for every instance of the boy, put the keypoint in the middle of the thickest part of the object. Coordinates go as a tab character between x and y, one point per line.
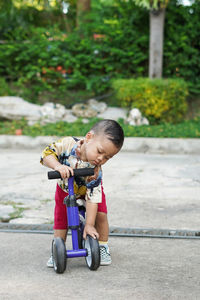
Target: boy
101	143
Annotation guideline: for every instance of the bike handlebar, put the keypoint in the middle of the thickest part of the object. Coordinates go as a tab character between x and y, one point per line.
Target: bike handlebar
77	172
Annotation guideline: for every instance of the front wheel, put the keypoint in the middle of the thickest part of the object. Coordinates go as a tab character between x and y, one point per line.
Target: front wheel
59	255
93	253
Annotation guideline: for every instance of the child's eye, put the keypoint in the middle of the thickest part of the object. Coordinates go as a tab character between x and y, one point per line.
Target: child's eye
99	151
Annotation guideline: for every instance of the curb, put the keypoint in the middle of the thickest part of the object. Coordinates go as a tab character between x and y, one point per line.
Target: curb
137	145
114	231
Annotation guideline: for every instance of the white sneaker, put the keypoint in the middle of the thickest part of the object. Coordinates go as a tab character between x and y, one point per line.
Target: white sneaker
105	257
50	262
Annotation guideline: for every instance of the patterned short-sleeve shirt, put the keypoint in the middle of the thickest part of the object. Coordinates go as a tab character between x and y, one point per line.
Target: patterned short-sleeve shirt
64	150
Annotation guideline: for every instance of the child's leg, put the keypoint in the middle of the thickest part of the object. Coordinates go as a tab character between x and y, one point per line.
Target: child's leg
60	214
62	233
101	223
102	228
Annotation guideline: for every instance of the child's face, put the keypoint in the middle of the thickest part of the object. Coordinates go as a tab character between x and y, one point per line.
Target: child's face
98	149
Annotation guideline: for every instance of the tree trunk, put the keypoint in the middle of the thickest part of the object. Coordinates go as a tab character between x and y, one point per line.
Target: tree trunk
156	43
82	8
46	4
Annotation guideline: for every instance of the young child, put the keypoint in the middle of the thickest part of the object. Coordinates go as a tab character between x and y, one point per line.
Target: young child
101	143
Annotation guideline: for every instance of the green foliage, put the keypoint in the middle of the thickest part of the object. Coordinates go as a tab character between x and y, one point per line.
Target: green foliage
4	88
186	129
181	46
152	4
114	44
160	100
31	55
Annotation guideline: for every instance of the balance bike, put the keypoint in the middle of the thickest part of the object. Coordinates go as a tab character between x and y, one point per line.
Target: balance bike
88	248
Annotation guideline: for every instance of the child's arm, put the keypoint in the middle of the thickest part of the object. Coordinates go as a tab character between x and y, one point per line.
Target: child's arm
91	212
51	162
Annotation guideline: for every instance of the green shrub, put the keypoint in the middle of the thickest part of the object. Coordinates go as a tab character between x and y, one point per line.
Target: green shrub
4	88
160	100
35	43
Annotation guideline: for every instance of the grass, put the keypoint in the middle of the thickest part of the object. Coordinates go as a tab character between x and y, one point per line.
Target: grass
186	129
17	213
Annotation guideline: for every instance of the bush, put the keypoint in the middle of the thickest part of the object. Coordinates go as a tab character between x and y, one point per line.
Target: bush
4	88
160	100
181	44
114	44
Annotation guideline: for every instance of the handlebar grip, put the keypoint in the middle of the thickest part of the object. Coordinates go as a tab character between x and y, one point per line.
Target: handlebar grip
77	172
84	172
53	175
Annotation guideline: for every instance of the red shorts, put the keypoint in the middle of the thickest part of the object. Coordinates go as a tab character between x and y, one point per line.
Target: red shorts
60	211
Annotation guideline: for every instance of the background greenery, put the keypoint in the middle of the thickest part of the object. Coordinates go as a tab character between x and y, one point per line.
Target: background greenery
160	100
45	57
185	129
34	49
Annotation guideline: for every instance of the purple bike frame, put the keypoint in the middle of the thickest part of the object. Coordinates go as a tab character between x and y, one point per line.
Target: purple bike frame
73	222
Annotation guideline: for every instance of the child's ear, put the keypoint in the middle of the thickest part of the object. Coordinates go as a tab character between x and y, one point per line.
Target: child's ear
89	136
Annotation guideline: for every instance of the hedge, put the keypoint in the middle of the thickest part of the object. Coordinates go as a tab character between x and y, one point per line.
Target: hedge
160	100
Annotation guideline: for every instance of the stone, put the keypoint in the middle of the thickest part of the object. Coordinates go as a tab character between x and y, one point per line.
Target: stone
85	121
15	108
100	107
69	117
144	121
5	211
135	118
83	110
52	112
114	113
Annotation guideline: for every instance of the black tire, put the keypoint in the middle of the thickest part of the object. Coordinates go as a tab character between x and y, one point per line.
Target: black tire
59	255
93	253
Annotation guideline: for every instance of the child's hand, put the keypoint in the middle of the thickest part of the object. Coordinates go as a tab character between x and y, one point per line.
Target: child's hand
96	173
64	171
90	230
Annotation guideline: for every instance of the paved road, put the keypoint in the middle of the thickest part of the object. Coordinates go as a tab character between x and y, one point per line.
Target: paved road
142	269
143	191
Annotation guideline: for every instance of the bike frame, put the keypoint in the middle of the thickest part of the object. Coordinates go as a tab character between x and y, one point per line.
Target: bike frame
73	221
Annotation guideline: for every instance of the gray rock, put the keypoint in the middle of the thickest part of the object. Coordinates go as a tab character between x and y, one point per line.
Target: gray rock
68	116
5	211
84	111
15	108
85	121
135	118
52	113
114	113
100	107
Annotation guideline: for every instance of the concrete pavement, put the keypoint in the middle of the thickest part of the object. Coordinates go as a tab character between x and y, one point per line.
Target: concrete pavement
144	190
142	269
137	145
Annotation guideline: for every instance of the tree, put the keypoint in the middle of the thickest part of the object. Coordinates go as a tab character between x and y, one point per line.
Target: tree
83	8
157	17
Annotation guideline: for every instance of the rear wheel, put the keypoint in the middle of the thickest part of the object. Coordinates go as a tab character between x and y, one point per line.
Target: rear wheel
59	255
93	253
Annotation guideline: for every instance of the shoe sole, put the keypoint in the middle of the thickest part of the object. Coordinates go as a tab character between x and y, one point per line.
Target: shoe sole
105	263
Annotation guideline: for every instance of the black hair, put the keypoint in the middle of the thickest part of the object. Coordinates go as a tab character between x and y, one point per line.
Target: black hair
111	129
